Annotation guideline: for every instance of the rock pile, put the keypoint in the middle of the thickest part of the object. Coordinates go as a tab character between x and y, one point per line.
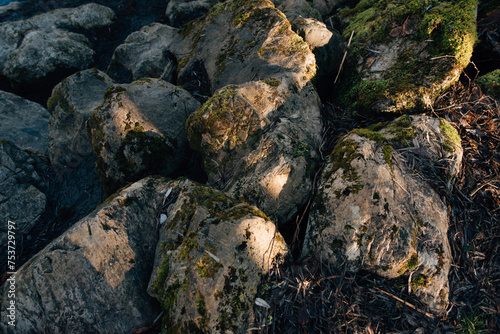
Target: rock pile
234	84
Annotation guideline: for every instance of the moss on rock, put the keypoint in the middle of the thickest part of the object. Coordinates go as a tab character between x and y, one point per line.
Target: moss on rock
431	42
490	83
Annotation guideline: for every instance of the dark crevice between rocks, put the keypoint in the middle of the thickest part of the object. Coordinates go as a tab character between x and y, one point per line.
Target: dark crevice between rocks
62	209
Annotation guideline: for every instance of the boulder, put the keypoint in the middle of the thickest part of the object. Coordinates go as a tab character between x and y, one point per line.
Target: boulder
71	104
403	55
24	123
210	260
242	40
93	278
146	53
258	138
259	142
32	49
139	129
180	12
22	198
374	209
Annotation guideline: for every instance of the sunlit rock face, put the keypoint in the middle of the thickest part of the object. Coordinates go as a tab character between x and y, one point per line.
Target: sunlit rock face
93	278
139	129
210	260
259	134
36	47
374	211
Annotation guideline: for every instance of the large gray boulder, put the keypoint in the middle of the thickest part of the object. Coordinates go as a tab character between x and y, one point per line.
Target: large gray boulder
139	129
93	278
374	209
233	43
146	53
259	141
34	48
71	104
258	138
24	123
210	260
22	187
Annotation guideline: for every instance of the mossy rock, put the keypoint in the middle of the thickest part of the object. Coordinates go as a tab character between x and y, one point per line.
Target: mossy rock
208	263
490	83
404	54
241	39
139	130
371	212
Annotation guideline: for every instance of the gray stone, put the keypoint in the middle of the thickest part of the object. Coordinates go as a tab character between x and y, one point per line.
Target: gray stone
180	12
259	141
139	129
146	53
24	123
33	48
71	104
93	278
212	254
240	42
374	210
22	199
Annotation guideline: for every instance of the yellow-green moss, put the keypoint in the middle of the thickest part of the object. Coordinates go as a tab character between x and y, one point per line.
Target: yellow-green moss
449	29
490	83
411	264
207	266
58	99
451	137
216	107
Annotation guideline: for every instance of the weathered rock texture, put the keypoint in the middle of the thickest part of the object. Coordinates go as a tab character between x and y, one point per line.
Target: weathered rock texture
259	141
210	259
71	104
22	198
139	129
180	12
24	123
405	54
235	42
93	278
374	211
242	40
146	53
34	48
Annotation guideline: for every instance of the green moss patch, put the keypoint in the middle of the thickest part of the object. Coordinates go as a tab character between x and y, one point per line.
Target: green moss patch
451	137
58	99
442	35
490	83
